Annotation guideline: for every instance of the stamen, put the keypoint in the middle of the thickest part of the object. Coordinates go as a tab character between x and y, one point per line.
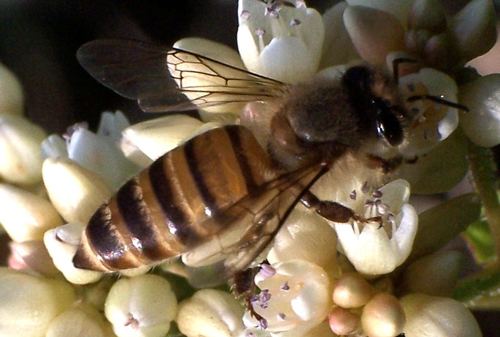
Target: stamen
294	22
263	323
377	194
260	34
73	128
281	316
353	195
300	4
285	286
266	271
245	15
365	189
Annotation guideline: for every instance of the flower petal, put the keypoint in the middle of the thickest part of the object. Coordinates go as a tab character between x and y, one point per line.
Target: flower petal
11	92
20	155
24	215
74	191
210	49
287	59
305	236
337	47
210	313
61	243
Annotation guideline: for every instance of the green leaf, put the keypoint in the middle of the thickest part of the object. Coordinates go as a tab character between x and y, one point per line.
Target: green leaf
481	291
440	224
480	241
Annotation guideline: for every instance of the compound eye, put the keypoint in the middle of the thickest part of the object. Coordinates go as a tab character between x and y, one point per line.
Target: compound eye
388	126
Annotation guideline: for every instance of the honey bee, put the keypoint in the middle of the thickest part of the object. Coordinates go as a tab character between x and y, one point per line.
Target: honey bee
221	197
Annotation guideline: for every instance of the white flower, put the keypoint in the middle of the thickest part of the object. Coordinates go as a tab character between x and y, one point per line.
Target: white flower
280	41
98	152
437	317
294	298
379	246
141	306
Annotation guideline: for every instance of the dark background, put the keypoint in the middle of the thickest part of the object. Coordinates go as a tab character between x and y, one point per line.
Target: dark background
39	39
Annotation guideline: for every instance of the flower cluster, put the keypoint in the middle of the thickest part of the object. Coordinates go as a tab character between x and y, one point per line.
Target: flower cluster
380	274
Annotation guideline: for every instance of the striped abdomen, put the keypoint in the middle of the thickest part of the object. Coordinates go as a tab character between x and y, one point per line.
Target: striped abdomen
180	201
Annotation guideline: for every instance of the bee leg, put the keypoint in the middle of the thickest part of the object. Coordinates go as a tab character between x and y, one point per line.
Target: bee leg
387	165
330	210
334	211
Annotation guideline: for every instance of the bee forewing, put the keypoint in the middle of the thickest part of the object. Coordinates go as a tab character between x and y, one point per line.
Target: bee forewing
262	216
156	76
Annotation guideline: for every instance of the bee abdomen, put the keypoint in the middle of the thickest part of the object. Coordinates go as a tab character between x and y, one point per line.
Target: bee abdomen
164	210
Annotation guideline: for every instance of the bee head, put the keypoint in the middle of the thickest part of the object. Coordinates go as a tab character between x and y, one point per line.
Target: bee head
373	97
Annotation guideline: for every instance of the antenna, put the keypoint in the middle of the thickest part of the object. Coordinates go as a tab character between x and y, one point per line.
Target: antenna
438	100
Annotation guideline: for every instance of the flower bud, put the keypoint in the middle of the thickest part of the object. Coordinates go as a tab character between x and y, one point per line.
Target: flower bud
428	15
62	243
398	8
11	93
474	28
74	191
343	322
421	275
437	317
82	321
31	255
373	45
28	303
482	123
20	155
383	316
141	306
352	291
24	215
210	313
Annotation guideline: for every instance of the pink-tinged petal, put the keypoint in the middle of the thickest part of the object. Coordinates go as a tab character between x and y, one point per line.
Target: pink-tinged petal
474	28
482	123
337	46
374	33
398	8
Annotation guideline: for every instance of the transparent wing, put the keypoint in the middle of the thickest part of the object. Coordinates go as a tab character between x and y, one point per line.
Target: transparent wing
259	219
157	77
